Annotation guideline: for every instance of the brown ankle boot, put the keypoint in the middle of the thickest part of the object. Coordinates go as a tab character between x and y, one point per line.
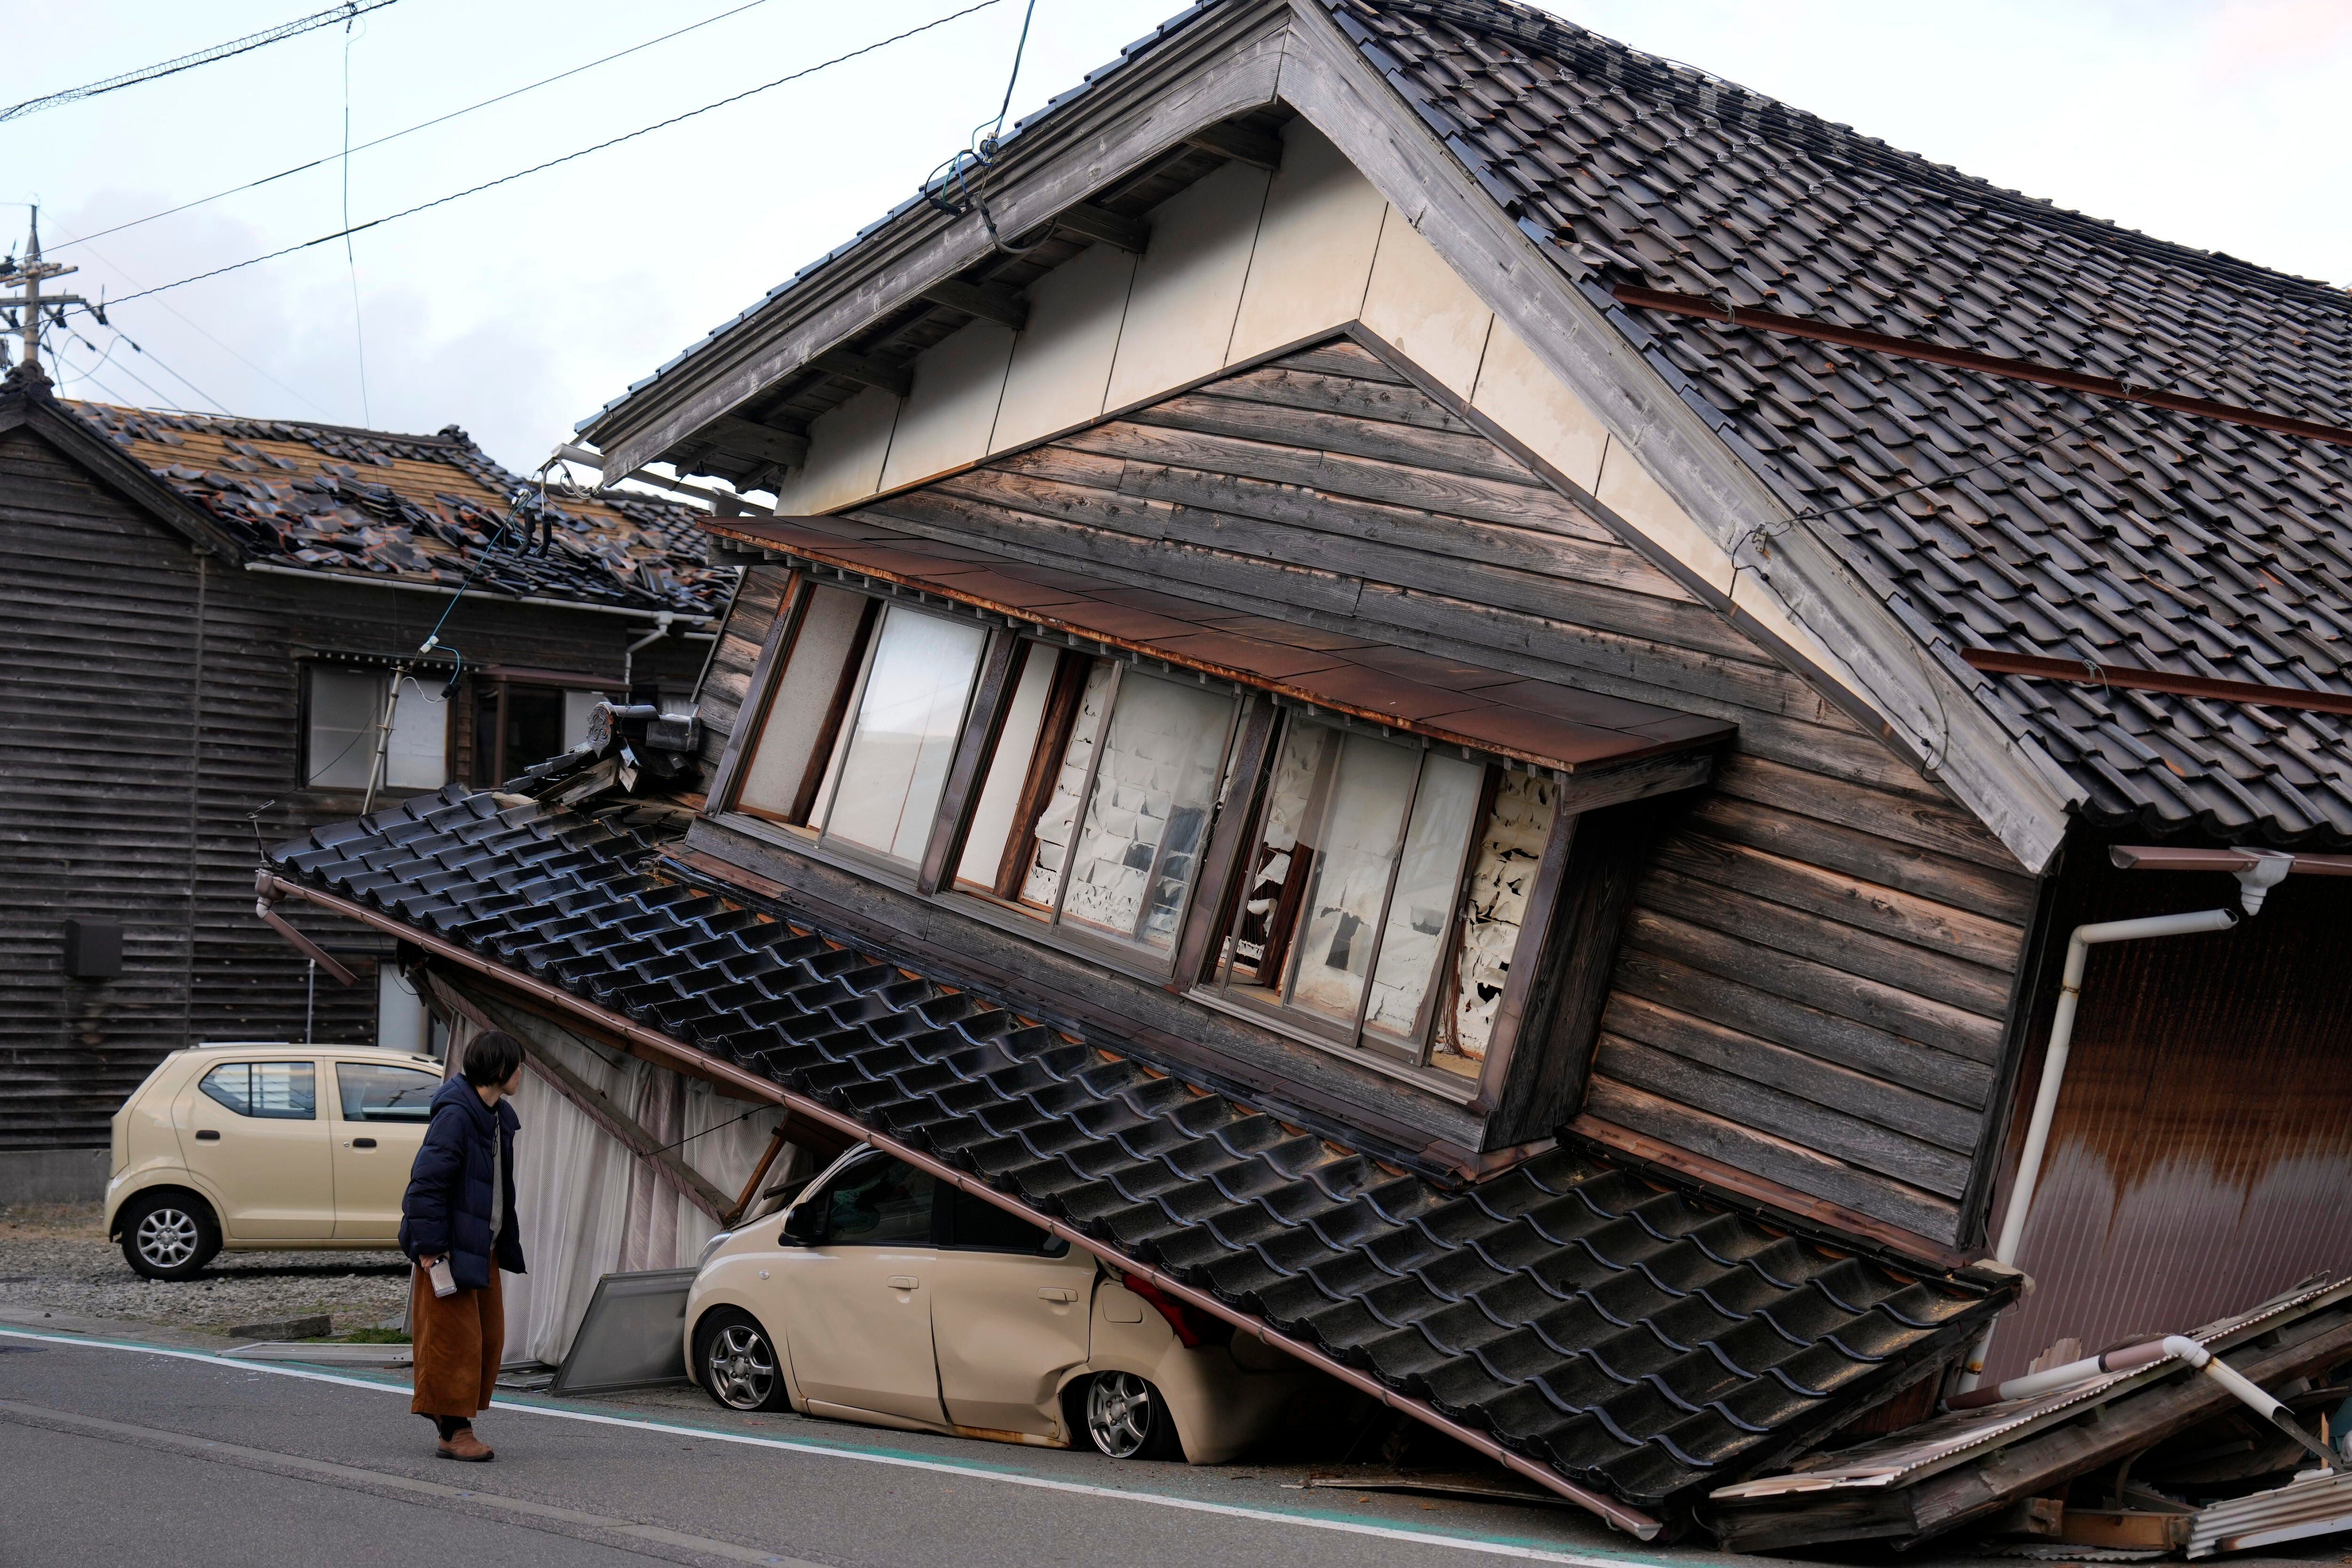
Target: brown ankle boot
463	1445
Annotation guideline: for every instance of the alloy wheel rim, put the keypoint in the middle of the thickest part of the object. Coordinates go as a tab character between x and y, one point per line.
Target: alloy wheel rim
1119	1414
743	1371
167	1237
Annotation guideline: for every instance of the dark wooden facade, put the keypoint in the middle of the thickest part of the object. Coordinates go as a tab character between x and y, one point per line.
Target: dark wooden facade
1809	996
151	694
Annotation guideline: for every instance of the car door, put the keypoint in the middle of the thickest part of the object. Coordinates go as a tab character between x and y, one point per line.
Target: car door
858	1327
381	1113
252	1131
1009	1317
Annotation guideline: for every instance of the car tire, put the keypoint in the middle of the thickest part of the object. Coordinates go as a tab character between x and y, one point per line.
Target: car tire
736	1361
1124	1417
169	1235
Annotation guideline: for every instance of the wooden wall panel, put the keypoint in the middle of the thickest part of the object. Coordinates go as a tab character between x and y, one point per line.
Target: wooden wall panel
1817	964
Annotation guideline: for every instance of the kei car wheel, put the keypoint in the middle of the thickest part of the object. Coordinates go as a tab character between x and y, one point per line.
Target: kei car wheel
169	1236
1127	1419
738	1364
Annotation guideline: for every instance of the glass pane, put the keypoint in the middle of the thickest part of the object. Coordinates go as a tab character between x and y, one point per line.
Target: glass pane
1353	863
230	1085
1144	823
1420	909
905	735
1502	873
418	754
1057	822
823	653
370	1093
344	707
979	1225
992	825
285	1092
882	1203
1278	867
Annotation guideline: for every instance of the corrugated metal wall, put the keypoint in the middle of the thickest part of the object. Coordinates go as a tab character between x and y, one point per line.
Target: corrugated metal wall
150	699
2201	1158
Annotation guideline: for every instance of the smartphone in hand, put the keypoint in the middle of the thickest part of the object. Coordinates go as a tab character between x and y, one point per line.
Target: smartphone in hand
443	1282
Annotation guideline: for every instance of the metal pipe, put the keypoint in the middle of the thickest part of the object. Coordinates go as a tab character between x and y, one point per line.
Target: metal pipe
2054	1078
1621	1516
629	654
383	738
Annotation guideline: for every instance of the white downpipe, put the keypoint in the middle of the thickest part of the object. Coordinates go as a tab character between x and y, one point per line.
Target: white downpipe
629	654
2054	1078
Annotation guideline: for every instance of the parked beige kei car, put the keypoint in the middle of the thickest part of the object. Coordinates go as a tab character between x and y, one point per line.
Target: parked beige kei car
882	1296
266	1146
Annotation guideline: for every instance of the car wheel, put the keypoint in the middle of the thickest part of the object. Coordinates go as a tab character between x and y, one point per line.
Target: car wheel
1127	1419
737	1363
169	1236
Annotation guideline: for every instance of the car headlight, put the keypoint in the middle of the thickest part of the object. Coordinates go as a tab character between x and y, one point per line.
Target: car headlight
713	1244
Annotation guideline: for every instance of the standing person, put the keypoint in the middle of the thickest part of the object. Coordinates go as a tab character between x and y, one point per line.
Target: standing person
459	1208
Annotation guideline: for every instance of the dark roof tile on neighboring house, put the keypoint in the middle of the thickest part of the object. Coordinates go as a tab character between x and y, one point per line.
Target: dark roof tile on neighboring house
2053	522
420	509
1642	1338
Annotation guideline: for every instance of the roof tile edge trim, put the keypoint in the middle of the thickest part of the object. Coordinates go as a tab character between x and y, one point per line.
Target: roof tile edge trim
1640	1525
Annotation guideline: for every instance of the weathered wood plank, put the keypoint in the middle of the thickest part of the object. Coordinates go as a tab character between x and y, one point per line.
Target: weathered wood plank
1343	356
1656	977
1923	817
1948	879
1827	986
1345	396
1775	1159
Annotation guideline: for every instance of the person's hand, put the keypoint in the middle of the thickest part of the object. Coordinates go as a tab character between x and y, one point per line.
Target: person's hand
425	1260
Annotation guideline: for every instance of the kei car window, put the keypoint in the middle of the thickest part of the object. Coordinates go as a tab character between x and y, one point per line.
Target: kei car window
879	1203
282	1091
371	1093
975	1225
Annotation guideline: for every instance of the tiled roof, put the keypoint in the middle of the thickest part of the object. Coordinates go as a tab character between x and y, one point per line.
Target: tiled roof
2053	523
367	503
1644	1340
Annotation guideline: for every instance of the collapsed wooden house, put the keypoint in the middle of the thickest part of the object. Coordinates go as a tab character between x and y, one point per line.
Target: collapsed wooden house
208	619
1554	650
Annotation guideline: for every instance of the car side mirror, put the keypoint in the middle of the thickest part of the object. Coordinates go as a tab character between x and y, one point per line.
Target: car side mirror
804	1226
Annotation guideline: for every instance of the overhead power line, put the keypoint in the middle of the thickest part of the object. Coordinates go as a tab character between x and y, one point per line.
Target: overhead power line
422	124
566	158
343	12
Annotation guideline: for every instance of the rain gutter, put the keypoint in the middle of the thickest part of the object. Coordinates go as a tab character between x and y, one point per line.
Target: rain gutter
351	580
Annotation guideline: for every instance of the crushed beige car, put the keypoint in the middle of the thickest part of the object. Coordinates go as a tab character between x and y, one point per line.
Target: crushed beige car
883	1297
269	1146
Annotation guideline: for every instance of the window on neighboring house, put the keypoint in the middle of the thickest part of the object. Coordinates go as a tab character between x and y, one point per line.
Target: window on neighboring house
1351	921
346	708
1096	806
516	723
863	725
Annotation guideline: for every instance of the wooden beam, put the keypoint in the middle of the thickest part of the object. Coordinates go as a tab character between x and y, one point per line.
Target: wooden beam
1090	222
750	438
980	299
1241	143
894	379
597	1106
759	1174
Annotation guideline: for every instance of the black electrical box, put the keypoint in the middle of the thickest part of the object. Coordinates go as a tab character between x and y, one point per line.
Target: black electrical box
93	950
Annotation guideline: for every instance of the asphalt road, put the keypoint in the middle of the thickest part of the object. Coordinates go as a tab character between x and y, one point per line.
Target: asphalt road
127	1456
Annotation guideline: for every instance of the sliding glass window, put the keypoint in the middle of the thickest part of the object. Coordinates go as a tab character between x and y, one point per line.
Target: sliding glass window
1096	802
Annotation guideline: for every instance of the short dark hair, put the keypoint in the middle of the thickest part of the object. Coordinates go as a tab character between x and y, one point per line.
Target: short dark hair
491	1058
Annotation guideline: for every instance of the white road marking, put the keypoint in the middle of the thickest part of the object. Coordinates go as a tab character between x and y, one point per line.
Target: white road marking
903	1461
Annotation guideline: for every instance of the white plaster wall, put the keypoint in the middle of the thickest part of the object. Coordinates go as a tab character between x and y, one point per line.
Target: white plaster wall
951	406
1188	287
847	448
1420	304
1315	246
1519	394
1061	361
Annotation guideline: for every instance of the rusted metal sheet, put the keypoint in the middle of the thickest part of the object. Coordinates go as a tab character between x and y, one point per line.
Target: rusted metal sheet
2130	678
1544	723
2320	1505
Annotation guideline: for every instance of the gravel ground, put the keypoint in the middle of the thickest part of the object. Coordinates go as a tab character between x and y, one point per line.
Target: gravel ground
56	1258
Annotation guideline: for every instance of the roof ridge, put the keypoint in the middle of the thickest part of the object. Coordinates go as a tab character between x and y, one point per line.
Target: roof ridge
1700	92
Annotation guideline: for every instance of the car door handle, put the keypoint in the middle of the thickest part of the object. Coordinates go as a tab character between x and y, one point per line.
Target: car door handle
1056	1293
359	1143
209	1136
901	1282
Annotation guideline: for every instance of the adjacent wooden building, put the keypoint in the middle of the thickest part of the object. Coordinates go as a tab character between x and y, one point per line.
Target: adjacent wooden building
205	616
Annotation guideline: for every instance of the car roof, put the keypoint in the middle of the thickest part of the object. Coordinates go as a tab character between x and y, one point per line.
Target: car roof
367	1053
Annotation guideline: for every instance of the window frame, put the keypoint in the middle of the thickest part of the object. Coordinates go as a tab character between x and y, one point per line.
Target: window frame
307	708
204	1087
1216	984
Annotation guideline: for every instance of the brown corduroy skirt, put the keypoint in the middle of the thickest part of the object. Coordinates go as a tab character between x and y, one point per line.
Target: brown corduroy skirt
458	1342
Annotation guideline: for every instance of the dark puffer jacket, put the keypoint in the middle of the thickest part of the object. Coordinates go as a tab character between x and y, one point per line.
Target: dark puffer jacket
447	1211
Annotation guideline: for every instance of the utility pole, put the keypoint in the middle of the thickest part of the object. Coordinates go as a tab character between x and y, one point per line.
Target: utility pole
23	310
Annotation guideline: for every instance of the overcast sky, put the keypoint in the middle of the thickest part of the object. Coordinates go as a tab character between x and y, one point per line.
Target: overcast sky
518	311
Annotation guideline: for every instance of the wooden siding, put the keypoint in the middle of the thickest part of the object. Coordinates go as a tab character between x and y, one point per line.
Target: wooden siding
151	698
1818	958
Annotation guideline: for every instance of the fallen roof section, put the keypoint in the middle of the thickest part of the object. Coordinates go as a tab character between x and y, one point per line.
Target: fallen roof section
1625	1343
1535	721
